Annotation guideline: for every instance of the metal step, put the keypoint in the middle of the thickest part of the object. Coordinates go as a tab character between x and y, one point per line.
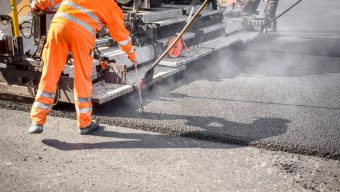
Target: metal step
103	92
231	27
185	37
103	41
208	12
188	56
169	21
169	11
17	90
144	54
208	47
160	73
183	18
215	27
222	42
158	14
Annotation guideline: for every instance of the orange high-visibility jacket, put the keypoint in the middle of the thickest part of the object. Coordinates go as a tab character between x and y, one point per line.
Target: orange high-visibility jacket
91	16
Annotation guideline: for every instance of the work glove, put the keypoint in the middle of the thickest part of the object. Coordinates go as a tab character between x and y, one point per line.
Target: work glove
132	57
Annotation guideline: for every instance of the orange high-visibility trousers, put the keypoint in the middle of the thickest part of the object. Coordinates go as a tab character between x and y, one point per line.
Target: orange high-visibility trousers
62	38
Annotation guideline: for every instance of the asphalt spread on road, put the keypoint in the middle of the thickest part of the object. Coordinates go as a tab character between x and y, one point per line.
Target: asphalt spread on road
275	100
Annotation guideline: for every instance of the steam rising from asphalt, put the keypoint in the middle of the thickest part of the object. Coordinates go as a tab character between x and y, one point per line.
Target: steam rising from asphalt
267	57
304	46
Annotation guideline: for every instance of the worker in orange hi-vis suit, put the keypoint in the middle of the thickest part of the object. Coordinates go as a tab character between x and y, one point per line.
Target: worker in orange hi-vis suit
74	28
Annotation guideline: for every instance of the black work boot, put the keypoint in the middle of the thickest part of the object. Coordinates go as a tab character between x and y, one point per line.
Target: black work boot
35	129
86	130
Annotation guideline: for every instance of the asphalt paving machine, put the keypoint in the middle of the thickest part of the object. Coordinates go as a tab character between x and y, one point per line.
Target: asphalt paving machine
152	24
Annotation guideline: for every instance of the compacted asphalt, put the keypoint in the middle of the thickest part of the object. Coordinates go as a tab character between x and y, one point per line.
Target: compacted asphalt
280	92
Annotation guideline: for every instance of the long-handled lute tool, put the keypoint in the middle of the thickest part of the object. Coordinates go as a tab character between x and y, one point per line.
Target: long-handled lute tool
272	20
148	77
139	91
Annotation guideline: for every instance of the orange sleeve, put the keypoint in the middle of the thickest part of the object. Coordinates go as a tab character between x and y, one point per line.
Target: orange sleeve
43	4
115	24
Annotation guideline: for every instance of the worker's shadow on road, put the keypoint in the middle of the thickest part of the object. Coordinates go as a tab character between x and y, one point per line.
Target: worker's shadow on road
202	128
134	141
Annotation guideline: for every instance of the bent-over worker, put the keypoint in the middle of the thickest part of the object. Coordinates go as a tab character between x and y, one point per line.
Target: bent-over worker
74	28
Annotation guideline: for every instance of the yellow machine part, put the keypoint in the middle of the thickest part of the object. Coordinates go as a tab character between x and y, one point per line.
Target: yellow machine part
6	8
15	19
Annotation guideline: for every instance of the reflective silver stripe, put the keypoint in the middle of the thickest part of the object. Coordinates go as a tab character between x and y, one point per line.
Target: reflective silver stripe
125	42
78	21
84	10
42	106
45	94
85	110
83	100
37	126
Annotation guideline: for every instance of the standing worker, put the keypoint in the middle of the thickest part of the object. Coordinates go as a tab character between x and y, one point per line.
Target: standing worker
74	28
270	13
251	6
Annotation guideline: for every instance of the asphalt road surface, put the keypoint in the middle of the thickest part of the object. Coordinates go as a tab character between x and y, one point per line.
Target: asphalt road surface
122	159
280	92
